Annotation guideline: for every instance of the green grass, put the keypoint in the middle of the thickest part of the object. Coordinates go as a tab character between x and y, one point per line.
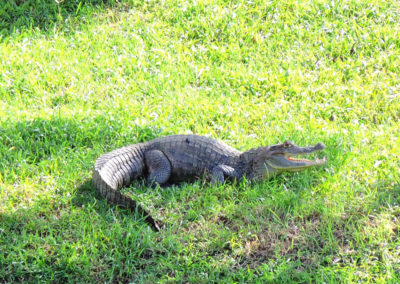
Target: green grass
248	73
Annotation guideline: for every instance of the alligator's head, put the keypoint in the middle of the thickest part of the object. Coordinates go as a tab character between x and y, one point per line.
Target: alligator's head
266	162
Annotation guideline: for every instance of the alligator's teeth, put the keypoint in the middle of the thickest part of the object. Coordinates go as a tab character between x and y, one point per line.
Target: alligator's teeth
317	160
297	160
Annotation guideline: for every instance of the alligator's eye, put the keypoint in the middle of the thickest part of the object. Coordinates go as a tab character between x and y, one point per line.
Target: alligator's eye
287	144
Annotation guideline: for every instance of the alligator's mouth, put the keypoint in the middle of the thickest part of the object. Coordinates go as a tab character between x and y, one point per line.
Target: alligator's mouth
293	159
291	164
288	161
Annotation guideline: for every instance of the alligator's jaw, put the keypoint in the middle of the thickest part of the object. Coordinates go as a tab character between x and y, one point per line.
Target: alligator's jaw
291	164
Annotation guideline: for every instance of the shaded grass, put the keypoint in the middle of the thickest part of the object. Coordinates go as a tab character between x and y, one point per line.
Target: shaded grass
247	73
21	15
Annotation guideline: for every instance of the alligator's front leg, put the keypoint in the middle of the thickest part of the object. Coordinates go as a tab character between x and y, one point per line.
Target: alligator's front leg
221	171
158	166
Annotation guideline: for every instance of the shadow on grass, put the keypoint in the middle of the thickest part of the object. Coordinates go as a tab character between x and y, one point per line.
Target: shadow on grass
62	149
64	231
39	145
43	14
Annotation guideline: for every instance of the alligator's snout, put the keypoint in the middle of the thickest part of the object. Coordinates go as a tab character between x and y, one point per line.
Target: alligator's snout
319	146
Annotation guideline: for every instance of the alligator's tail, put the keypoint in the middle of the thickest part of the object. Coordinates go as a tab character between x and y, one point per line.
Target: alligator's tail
118	168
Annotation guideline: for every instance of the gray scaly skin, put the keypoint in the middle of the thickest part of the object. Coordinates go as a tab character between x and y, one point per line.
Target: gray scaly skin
185	157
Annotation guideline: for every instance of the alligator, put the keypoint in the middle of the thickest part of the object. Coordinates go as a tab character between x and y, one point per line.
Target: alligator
186	157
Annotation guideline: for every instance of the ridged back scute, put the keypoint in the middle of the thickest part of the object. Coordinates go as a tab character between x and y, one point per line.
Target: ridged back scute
217	146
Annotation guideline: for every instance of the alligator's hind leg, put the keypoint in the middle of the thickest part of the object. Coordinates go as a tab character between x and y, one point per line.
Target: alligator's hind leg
158	166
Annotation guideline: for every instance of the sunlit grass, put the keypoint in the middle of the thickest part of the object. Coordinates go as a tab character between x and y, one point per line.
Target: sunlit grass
247	73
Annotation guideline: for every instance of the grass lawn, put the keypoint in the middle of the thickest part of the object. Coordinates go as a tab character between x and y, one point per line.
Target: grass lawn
78	82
